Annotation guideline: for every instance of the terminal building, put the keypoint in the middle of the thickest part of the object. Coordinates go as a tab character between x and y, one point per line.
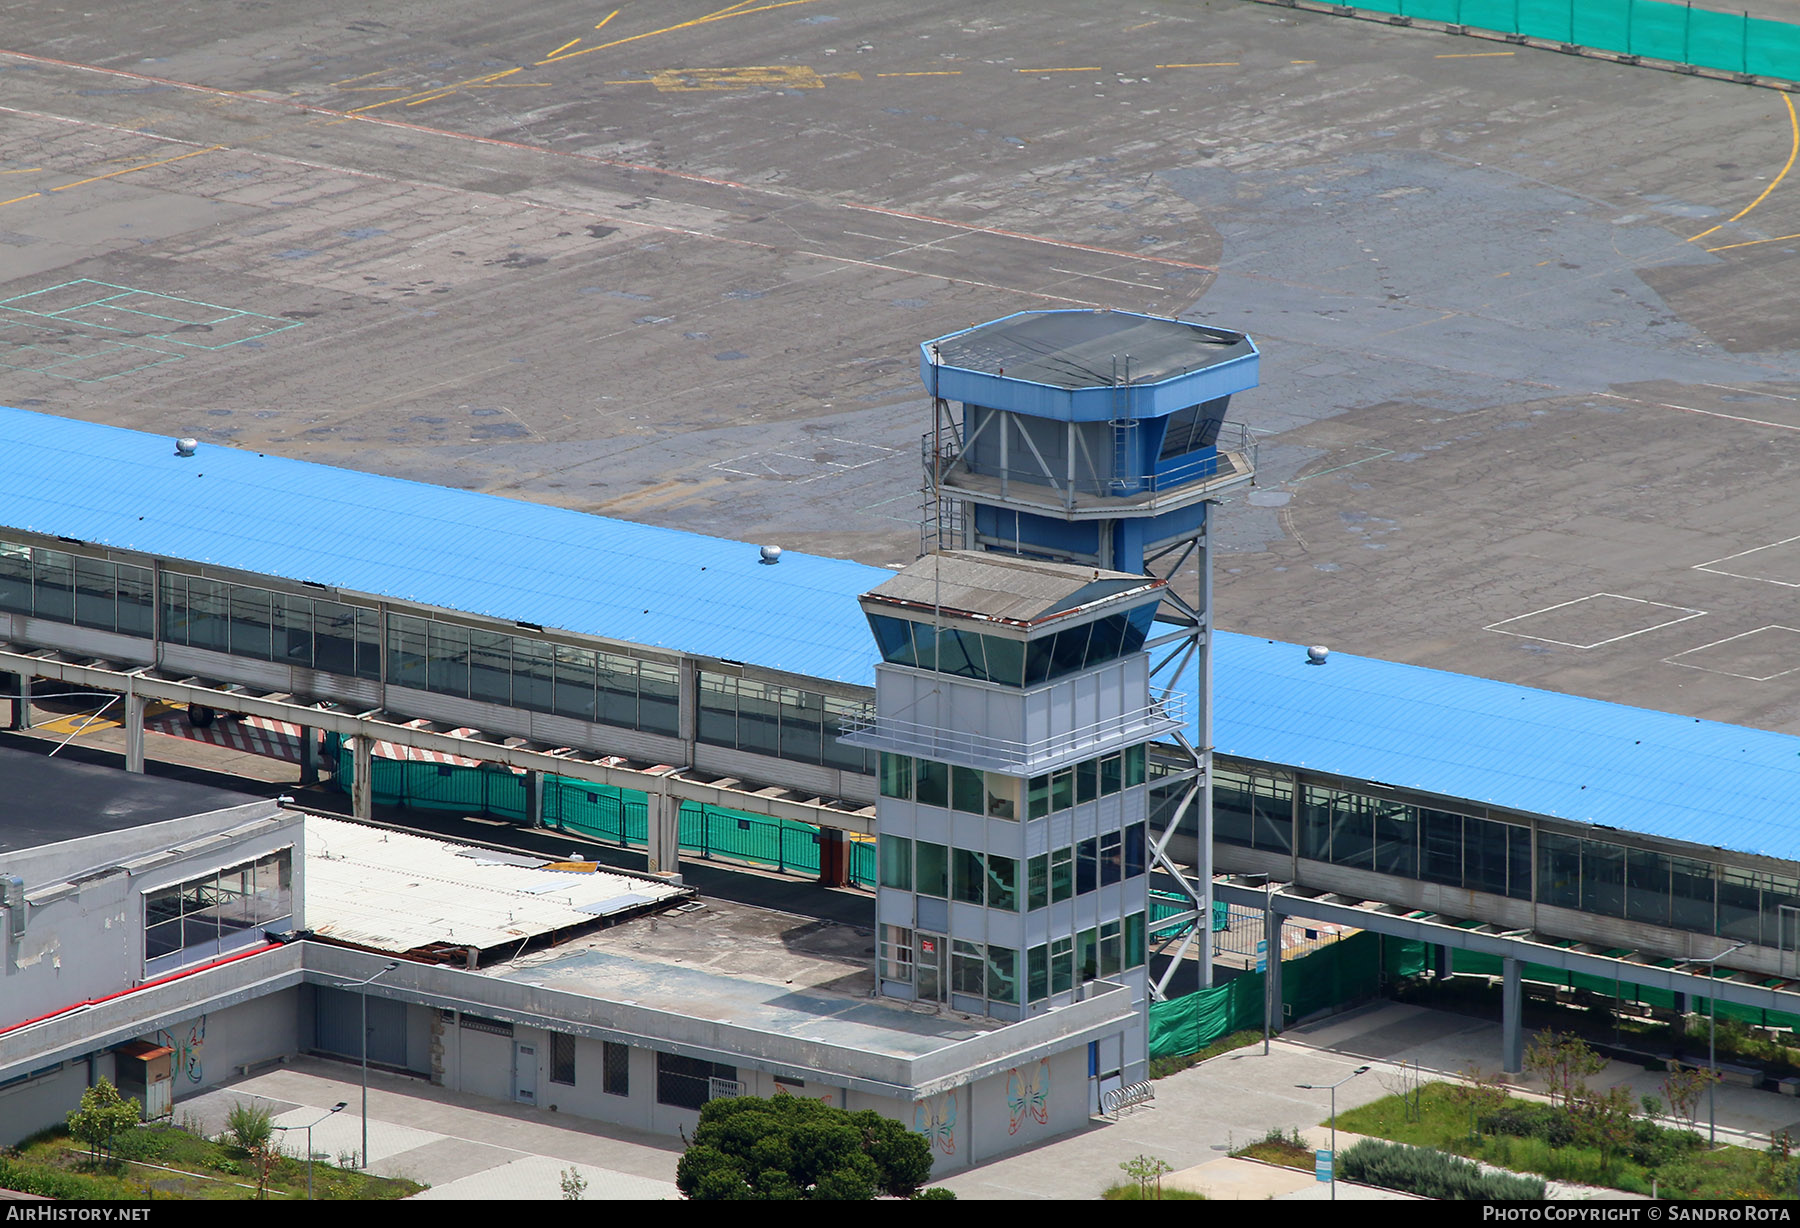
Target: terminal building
1039	723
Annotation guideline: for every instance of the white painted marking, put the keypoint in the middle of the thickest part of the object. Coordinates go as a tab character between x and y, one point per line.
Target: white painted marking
1676	659
1713	565
1687	613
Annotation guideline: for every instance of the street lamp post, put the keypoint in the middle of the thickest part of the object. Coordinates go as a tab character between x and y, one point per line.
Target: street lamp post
1712	1040
336	1108
362	1161
1333	1089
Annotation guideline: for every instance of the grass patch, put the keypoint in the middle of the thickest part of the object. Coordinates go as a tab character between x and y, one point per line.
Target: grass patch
1129	1191
1678	1161
1163	1067
1287	1150
53	1165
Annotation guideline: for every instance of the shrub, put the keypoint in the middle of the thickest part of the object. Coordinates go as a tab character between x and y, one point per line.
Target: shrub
1432	1174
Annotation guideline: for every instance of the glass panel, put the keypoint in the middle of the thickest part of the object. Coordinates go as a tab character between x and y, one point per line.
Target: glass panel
1037	882
1603	878
1087	781
490	667
1135	758
1068	651
934	869
838	712
94	594
1005	660
1107	639
1691	895
1134	940
533	674
1062	789
137	614
1062	874
368	644
1442	838
293	629
924	645
618	689
967	969
896	776
1136	851
960	654
802	718
1486	853
1738	895
759	718
1003	975
718	710
896	862
1780	897
1087	955
893	639
1273	825
1559	871
1039	792
896	954
406	650
1112	775
1137	628
53	585
970	876
659	698
1112	948
15	578
1232	807
1518	858
1062	965
448	650
1646	887
1396	839
250	622
574	693
1002	883
1087	865
1037	962
1112	857
1037	662
932	783
1353	830
1002	796
968	792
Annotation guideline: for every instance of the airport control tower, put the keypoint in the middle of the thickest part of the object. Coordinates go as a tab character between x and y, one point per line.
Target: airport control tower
1098	438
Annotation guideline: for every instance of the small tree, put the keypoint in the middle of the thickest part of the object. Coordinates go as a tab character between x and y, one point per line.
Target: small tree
1143	1170
791	1147
1605	1121
1564	1062
1483	1093
103	1115
1682	1088
250	1126
574	1185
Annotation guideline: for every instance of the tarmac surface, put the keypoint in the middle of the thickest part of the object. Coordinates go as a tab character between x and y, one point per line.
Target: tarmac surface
1529	320
467	1147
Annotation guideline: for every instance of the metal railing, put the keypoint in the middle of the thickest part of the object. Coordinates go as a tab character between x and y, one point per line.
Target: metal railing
1232	460
1008	754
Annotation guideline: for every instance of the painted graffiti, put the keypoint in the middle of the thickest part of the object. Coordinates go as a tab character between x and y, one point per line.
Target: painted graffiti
1028	1096
936	1120
187	1049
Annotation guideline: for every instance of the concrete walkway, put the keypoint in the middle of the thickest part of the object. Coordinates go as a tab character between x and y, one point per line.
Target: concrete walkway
469	1147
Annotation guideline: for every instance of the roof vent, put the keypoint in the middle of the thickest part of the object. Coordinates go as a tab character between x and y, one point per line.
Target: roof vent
1316	654
185	447
771	554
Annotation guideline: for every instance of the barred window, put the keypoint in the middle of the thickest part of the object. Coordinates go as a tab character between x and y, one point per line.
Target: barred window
562	1058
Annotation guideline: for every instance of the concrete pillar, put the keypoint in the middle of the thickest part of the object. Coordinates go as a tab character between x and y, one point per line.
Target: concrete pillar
665	833
134	732
362	789
18	689
1272	964
834	858
1512	1018
309	756
534	798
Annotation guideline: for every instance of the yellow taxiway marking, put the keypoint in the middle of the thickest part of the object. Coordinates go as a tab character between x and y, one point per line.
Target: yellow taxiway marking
77	724
784	76
607	18
15	200
144	167
434	93
735	10
563	48
954	72
1793	151
23	170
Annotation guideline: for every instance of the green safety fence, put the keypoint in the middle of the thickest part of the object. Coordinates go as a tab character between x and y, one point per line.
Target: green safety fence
1474	963
1343	972
1166	904
1678	33
604	813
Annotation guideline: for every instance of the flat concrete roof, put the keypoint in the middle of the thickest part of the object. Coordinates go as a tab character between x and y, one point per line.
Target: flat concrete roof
49	800
1090	349
753	967
1022	592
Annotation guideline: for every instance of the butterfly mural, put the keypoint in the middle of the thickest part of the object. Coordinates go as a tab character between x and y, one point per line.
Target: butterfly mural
936	1120
1027	1096
187	1051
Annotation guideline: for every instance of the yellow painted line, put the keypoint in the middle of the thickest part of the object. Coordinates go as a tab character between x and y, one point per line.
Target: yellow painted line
607	18
430	98
567	45
77	724
435	92
23	170
146	166
515	85
1793	151
1726	248
15	200
363	77
1219	64
1472	55
371	89
955	72
640	81
1303	61
1094	68
736	10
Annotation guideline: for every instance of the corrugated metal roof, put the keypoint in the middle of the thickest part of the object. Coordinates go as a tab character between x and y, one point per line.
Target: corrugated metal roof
1503	745
480	554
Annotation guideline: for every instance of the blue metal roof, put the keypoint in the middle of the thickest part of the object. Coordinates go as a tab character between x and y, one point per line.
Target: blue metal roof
1511	746
481	554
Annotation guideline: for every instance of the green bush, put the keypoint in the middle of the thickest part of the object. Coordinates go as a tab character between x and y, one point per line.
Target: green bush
1432	1174
48	1183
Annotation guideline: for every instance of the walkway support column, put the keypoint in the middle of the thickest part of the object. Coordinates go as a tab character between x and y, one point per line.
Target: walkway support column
18	689
1512	1024
665	833
834	858
534	798
362	786
1272	1017
134	732
309	756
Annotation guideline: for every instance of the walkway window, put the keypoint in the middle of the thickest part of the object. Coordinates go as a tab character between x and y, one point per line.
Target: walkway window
686	1082
218	912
